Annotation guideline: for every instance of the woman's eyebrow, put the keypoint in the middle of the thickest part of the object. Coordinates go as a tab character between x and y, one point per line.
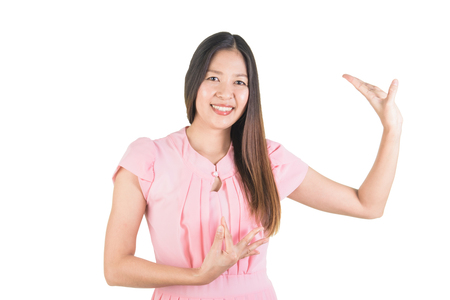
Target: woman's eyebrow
220	73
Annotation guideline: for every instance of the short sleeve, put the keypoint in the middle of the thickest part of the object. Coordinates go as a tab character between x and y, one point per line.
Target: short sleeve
139	159
288	170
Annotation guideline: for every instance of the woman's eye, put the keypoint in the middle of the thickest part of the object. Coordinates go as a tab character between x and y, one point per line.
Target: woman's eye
213	78
240	82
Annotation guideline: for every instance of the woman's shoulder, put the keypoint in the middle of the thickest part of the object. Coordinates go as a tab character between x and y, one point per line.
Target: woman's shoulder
142	154
278	154
272	146
142	143
147	142
152	148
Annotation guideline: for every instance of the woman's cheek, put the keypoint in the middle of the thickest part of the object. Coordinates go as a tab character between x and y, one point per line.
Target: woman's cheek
243	98
205	92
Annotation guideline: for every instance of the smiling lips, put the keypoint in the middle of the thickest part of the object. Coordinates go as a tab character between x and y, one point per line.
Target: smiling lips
223	110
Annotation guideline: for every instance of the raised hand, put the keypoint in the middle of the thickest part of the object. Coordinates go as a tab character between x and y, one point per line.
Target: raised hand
383	103
218	261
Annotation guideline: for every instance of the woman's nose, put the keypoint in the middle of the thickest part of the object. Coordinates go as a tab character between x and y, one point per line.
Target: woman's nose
224	92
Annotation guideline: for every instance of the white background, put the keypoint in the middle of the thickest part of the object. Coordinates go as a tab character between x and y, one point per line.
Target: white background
80	80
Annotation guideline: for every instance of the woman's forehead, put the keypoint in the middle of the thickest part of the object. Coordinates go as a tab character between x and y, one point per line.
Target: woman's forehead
226	60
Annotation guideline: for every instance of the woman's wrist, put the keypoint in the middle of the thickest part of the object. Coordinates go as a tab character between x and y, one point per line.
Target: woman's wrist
200	277
393	131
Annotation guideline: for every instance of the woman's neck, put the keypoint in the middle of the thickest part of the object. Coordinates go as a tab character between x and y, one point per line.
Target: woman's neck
212	144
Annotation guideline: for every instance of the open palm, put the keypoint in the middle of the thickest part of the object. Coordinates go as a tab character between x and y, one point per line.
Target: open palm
383	103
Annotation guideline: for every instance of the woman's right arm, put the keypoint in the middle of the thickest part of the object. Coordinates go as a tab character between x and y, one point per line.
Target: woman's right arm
121	267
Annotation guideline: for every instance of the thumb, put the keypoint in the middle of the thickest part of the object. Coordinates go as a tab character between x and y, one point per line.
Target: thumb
393	90
217	244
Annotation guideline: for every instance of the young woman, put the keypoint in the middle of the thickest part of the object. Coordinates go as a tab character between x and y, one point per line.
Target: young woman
211	191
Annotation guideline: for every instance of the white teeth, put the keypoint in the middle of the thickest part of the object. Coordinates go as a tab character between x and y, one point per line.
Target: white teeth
221	108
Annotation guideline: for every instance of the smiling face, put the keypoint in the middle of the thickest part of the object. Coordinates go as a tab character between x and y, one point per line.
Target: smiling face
223	94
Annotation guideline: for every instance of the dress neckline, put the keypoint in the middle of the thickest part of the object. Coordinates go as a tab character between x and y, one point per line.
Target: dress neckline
204	167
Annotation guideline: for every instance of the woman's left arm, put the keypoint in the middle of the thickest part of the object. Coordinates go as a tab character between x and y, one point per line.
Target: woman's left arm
369	201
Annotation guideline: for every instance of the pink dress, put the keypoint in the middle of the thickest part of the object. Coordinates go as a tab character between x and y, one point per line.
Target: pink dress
183	213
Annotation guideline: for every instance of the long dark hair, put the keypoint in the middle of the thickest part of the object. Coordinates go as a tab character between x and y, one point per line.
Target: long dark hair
247	134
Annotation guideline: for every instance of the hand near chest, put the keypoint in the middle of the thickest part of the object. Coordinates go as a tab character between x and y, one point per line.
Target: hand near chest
217	261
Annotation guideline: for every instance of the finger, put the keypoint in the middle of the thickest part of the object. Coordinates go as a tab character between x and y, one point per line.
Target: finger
228	238
248	238
353	80
251	249
258	243
371	92
217	243
379	92
250	253
360	85
392	90
348	77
